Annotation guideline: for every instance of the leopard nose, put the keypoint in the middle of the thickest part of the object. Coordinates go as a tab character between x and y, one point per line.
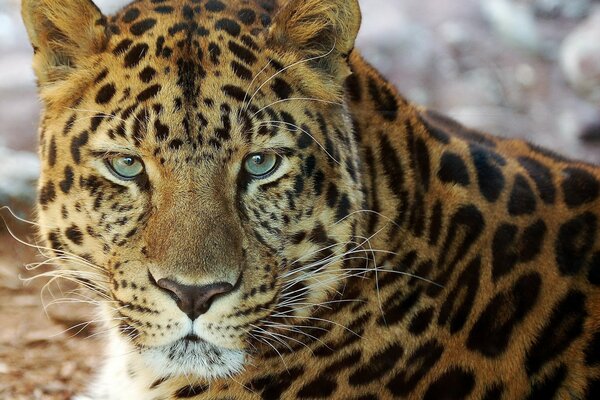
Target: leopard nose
194	300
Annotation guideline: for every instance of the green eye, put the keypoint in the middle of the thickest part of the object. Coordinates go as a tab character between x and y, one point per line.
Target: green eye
259	165
126	167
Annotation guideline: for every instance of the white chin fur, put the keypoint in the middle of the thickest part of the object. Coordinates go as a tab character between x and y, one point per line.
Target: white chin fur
200	359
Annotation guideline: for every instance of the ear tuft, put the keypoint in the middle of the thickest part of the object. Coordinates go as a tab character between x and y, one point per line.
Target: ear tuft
62	32
321	30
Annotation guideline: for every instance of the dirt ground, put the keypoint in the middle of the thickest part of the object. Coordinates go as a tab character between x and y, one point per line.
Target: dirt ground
39	359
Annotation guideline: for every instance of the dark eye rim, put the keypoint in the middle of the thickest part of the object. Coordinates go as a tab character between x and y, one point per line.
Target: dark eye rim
275	167
107	162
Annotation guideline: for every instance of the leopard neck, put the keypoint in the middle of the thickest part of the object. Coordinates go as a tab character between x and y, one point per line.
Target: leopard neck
395	177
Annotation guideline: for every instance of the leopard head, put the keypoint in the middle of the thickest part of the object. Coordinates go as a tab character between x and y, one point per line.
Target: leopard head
200	170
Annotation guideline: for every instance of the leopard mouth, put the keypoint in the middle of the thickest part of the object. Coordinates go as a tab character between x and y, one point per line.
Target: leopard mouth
192	355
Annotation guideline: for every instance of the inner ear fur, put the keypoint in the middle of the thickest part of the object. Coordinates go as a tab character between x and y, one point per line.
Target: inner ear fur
322	31
62	33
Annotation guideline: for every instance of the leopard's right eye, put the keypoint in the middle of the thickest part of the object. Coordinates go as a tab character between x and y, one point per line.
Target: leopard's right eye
125	167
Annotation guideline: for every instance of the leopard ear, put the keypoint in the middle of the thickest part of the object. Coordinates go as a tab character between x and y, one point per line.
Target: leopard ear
322	31
62	33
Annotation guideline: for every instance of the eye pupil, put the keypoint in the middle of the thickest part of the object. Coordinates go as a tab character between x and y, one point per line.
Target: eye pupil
258	159
128	161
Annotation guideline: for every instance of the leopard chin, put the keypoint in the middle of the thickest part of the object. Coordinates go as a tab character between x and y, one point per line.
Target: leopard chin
193	357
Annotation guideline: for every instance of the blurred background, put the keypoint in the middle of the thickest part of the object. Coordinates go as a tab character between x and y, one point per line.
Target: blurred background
515	68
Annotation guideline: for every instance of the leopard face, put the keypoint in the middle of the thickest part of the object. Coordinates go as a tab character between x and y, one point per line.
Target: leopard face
197	151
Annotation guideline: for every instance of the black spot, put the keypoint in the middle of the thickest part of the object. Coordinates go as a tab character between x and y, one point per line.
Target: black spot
522	199
594	269
353	88
547	387
139	28
240	71
52	152
574	242
122	46
149	93
464	229
161	131
542	176
435	225
281	88
508	249
242	53
343	208
419	364
318	388
67	183
434	130
592	351
175	144
190	391
247	16
101	76
489	175
147	74
332	195
131	15
579	187
105	94
74	234
564	327
265	20
459	302
392	166
273	386
530	244
385	101
235	92
229	26
494	392
163	9
76	144
453	170
214	6
47	194
421	152
395	309
455	384
420	322
136	55
493	329
593	390
377	366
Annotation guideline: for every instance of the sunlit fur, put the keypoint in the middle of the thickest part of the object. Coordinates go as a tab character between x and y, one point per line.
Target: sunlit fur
392	253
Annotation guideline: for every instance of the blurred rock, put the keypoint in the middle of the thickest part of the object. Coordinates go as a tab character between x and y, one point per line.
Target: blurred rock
562	8
19	171
514	22
591	132
580	57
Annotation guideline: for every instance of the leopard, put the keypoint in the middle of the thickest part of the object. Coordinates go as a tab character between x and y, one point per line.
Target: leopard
259	214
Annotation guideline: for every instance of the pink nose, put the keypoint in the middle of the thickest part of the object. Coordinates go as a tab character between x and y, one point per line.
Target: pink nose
194	300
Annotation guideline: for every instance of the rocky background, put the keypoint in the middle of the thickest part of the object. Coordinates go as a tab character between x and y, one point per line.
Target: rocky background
516	68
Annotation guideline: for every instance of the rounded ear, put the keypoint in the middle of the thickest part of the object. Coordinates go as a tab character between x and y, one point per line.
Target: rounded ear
322	31
62	32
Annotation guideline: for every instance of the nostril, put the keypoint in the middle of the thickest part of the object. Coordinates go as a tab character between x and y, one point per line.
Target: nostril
194	300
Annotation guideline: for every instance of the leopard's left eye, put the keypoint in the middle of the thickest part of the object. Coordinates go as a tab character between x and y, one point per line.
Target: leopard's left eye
126	167
261	165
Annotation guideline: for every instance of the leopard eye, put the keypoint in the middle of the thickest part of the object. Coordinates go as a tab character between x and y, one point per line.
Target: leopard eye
126	167
260	165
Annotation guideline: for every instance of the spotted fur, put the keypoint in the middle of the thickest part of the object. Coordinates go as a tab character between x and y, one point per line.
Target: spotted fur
393	253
